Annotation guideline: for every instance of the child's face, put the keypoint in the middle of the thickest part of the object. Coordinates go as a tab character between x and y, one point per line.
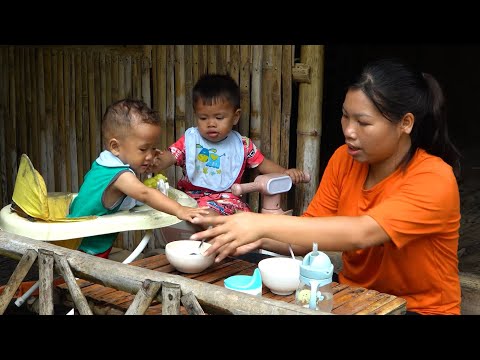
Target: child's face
215	121
137	148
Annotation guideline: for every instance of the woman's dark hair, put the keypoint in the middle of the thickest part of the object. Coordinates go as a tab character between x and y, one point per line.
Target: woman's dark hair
396	89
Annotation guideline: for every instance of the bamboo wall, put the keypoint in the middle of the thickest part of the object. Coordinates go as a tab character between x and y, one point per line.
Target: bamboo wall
52	99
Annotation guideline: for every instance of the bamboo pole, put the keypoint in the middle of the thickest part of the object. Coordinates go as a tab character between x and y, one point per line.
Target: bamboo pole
55	142
136	74
309	126
35	131
276	105
45	271
21	270
28	102
11	127
286	79
267	111
170	116
179	96
256	110
121	77
171	293
103	84
244	83
161	102
72	129
115	93
233	62
98	104
79	116
129	278
42	120
61	150
49	176
189	119
63	268
3	124
221	59
92	116
20	101
66	104
144	297
87	157
108	81
146	66
190	303
212	59
128	76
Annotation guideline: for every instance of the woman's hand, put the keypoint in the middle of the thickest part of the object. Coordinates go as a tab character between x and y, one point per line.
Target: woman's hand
227	234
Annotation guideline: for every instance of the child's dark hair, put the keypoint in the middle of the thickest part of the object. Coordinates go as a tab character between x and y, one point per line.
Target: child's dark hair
396	89
122	115
211	88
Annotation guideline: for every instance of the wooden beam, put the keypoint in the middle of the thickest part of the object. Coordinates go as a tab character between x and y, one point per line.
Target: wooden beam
171	298
78	298
45	265
301	73
129	279
16	279
144	297
190	302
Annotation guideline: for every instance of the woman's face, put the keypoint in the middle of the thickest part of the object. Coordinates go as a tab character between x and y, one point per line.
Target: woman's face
371	137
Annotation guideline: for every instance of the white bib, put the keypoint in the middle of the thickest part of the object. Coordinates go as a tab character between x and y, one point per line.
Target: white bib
214	166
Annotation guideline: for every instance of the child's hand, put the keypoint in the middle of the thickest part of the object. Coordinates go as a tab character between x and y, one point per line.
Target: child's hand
160	161
296	175
188	213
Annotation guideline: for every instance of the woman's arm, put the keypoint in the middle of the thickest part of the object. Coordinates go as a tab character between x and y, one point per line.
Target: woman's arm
337	233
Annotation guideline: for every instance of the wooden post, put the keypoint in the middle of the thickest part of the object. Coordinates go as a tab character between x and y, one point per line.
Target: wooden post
78	298
45	266
190	303
309	126
146	66
171	298
15	280
144	297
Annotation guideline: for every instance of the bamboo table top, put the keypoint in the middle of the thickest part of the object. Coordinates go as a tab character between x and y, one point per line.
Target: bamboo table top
347	300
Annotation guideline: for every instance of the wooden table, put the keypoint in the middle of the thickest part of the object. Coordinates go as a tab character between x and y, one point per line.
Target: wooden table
347	300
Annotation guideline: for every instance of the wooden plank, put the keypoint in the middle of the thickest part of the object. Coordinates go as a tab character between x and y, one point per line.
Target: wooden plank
395	307
212	59
68	139
359	303
21	270
45	270
87	156
275	96
29	53
144	297
97	103
78	298
55	141
121	77
286	78
103	84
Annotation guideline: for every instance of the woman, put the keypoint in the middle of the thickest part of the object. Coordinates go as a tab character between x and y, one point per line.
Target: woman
388	198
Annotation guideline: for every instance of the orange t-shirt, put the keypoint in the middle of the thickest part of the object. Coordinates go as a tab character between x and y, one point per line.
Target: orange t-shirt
419	209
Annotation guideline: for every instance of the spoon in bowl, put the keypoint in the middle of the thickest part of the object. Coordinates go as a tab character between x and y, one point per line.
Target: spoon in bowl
198	249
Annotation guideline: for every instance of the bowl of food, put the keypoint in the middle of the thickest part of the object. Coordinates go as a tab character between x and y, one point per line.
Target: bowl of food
187	256
280	274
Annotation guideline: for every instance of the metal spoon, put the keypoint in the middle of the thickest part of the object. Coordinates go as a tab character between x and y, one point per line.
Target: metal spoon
198	249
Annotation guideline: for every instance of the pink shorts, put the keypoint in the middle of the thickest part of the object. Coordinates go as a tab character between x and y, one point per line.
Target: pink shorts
222	203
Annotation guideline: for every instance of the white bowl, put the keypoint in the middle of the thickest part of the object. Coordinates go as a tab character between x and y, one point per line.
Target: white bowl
280	274
179	255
